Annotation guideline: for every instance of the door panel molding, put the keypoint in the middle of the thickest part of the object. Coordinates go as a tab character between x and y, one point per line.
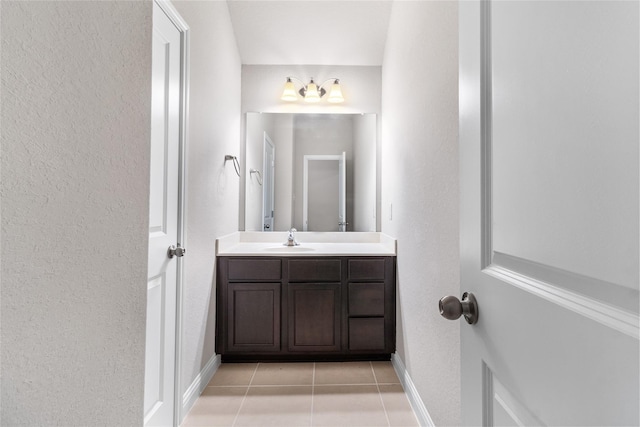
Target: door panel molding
156	288
605	314
486	134
598	290
158	183
501	407
587	296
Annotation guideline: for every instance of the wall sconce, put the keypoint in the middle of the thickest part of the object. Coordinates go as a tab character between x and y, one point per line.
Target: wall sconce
312	92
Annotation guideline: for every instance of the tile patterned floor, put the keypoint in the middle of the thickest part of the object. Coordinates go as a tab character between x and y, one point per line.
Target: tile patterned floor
350	394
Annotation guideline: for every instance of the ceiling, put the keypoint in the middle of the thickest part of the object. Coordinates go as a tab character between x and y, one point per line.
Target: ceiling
322	32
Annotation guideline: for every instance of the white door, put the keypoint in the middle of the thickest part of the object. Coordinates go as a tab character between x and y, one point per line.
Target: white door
164	227
324	189
549	213
268	187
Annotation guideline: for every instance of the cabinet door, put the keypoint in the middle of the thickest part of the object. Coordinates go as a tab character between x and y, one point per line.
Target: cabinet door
314	316
253	324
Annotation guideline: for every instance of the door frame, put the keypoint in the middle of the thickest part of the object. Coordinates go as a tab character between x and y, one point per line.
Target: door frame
184	30
305	183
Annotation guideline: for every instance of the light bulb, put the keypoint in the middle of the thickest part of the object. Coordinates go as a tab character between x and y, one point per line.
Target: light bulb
335	95
289	93
311	94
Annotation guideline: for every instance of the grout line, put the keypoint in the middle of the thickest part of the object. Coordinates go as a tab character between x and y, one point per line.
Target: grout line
258	385
380	395
375	378
245	395
313	389
340	384
254	374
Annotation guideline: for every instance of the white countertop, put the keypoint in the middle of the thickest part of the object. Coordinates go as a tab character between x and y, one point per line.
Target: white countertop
311	244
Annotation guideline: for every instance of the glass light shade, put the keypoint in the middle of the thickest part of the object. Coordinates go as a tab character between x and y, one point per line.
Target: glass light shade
335	94
311	94
289	93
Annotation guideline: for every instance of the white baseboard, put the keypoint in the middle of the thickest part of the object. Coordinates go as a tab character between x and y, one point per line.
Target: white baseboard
198	385
412	393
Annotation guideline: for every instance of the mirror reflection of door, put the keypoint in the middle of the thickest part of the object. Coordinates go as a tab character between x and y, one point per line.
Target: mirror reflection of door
268	184
324	193
297	135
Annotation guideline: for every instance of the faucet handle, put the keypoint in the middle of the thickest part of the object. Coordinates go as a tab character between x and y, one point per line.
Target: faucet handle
293	230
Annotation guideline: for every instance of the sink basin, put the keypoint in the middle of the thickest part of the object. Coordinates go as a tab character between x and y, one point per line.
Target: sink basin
283	248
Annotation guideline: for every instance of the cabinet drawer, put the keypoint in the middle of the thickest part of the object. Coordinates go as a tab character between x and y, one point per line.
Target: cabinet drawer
314	270
255	269
366	299
366	333
366	269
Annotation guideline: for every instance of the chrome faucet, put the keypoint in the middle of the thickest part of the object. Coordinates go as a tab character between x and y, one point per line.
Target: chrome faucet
291	240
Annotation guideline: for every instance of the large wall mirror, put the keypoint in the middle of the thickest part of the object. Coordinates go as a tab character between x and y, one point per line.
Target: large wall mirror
312	172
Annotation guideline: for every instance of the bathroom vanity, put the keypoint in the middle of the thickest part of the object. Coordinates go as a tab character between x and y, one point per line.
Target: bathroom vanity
321	300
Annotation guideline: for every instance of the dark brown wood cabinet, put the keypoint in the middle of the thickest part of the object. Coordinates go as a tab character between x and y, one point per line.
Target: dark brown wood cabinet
314	317
305	308
253	322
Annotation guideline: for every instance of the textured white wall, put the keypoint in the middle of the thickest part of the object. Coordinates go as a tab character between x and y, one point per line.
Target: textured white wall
284	171
420	180
76	93
212	184
364	175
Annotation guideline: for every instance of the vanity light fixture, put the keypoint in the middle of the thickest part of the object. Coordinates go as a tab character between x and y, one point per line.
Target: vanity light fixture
312	92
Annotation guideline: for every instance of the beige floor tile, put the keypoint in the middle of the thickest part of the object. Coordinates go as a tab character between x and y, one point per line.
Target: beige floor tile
342	405
217	406
344	373
385	374
397	406
276	406
233	374
283	374
281	395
